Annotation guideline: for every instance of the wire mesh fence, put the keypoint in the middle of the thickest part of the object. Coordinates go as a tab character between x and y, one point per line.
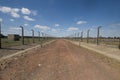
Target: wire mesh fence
27	41
108	42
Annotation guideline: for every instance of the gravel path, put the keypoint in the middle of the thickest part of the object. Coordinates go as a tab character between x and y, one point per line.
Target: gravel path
59	60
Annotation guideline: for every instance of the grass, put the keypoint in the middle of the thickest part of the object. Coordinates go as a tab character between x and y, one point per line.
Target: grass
110	61
107	60
107	42
27	41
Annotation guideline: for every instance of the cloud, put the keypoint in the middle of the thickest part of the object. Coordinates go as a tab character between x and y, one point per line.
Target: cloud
72	29
12	20
15	10
5	9
12	11
57	25
15	15
14	28
25	11
28	18
25	24
81	22
54	30
42	27
115	25
34	12
1	19
118	24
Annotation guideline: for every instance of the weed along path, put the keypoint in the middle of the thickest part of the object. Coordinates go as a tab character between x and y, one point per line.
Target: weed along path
61	60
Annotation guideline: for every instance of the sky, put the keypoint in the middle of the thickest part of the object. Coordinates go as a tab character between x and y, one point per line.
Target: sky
61	17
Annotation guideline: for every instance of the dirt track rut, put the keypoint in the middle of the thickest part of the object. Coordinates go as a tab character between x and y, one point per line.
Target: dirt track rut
60	60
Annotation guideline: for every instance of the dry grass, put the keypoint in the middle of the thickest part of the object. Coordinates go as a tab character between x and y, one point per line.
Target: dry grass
9	43
110	61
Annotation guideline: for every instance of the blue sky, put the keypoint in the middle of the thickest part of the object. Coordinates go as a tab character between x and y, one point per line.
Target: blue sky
60	17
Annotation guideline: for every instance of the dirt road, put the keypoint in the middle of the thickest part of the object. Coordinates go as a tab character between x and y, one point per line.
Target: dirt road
59	60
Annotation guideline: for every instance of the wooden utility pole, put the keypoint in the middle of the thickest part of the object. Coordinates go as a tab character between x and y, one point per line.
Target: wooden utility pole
88	36
22	36
33	35
98	35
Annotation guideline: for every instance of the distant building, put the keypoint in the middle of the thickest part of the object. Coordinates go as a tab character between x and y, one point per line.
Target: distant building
14	37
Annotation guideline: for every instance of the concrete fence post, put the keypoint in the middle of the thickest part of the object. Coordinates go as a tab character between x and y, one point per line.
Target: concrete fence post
88	36
33	36
0	35
22	36
39	35
119	43
82	36
98	35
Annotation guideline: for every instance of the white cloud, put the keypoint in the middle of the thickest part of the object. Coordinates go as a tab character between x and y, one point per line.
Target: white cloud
81	22
5	9
34	12
12	11
12	20
57	25
28	18
15	15
118	24
115	25
15	10
53	30
25	24
14	28
42	27
1	19
25	11
72	29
